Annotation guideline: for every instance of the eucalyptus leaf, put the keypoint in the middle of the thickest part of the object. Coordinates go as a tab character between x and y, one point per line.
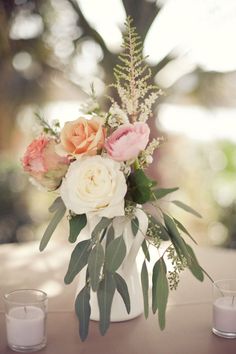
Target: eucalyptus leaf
145	288
77	223
55	205
78	260
60	212
122	289
103	224
161	230
186	208
105	294
110	235
95	263
83	311
194	266
145	250
154	285
134	225
162	293
182	228
162	192
176	238
115	254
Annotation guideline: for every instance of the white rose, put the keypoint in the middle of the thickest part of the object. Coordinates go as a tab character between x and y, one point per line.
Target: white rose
94	186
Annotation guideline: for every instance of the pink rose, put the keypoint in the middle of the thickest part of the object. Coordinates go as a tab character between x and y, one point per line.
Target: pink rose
82	136
127	141
44	164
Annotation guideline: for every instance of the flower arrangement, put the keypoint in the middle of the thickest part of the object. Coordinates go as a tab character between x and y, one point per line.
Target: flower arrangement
96	164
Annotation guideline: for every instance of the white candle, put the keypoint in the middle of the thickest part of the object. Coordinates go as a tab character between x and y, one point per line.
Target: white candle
25	326
224	314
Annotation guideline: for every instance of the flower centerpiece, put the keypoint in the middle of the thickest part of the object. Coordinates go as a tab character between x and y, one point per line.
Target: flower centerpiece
96	165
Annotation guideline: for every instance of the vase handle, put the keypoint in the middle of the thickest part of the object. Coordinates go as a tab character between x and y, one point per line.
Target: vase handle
137	242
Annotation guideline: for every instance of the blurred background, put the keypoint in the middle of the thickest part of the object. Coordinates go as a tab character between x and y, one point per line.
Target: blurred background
52	50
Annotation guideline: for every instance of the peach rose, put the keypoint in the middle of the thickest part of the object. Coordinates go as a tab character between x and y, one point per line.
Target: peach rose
43	163
127	141
83	136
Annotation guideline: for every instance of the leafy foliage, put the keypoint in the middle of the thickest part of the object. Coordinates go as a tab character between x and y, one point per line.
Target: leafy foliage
134	225
146	251
186	208
59	207
145	288
105	296
95	263
115	254
83	311
78	260
122	289
103	224
50	129
160	291
140	186
162	192
77	223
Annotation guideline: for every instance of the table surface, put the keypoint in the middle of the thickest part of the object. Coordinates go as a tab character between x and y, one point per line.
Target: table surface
188	329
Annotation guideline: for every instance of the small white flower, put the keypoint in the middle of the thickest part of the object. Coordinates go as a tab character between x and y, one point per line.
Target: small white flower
94	186
149	159
117	116
126	169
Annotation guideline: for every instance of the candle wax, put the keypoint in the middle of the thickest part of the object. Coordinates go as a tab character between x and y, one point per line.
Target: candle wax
25	326
224	314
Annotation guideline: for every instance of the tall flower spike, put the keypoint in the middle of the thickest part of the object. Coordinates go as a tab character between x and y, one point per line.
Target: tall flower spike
132	77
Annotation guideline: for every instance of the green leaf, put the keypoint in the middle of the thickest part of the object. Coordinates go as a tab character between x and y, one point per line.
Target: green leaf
154	285
160	290
145	288
95	263
194	266
122	289
110	235
145	250
83	311
176	238
55	205
78	260
60	212
140	179
186	208
77	223
161	230
103	224
162	192
115	254
142	195
182	228
135	225
140	186
105	296
162	293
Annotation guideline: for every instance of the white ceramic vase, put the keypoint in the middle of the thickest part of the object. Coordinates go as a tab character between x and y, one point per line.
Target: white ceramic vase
128	271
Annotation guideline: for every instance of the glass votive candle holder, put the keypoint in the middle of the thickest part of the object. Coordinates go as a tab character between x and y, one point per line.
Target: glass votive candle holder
224	308
26	312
